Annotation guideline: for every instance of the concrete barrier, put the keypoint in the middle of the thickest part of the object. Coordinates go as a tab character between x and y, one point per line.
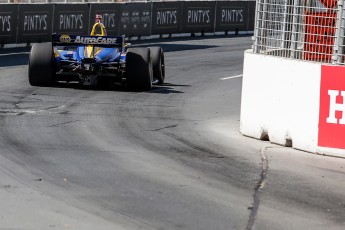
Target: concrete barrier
281	103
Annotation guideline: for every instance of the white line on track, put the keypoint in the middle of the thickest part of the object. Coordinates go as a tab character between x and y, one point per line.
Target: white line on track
14	53
226	78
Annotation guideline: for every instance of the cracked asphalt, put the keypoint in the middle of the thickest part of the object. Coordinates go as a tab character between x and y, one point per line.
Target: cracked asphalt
171	158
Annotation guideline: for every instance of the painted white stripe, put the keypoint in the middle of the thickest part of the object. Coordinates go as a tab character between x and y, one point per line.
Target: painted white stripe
237	76
8	54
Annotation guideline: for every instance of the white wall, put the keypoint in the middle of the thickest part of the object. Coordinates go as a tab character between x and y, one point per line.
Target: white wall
281	96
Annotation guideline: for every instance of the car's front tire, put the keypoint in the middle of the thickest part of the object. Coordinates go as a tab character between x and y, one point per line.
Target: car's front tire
41	65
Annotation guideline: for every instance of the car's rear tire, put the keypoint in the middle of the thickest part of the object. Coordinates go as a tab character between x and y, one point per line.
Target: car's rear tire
139	69
41	65
158	65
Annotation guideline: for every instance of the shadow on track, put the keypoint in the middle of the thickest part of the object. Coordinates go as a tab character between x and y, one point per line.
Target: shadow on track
176	47
7	60
166	88
14	56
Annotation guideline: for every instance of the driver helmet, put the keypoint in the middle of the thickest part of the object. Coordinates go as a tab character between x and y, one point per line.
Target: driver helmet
98	17
98	28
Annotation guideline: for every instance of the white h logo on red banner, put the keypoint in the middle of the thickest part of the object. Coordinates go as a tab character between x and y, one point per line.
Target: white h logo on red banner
334	106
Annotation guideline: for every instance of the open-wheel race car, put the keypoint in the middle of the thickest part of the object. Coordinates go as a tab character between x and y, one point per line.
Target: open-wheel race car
95	59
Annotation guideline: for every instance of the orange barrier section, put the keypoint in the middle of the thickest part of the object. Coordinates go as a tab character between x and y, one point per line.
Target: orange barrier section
320	32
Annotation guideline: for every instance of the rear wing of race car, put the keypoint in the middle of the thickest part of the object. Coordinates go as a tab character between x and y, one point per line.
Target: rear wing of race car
77	40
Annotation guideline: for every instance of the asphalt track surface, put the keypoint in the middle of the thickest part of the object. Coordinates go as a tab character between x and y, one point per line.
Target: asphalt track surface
170	158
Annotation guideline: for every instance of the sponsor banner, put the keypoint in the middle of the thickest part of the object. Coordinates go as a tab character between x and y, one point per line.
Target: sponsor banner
166	17
86	40
198	17
35	23
332	107
232	16
135	19
8	23
110	17
21	23
71	19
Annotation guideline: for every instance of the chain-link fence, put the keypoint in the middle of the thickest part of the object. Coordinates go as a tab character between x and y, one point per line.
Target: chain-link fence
311	30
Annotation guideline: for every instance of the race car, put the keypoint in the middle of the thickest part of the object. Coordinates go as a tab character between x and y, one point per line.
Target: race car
95	59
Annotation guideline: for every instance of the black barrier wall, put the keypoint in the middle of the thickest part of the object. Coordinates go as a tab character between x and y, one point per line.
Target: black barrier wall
34	23
166	18
27	23
135	19
8	23
110	17
198	17
71	18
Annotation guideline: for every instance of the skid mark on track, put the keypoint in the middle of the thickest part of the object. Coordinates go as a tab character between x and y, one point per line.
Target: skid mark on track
63	123
8	188
196	150
260	185
167	127
23	111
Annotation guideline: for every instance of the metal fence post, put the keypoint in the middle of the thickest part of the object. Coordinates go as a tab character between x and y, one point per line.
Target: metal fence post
295	24
260	25
284	25
257	32
287	26
339	34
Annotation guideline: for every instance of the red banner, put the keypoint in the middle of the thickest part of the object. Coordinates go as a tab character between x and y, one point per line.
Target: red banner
330	4
332	107
320	32
319	38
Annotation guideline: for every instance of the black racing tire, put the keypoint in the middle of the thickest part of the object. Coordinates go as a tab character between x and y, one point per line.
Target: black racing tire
41	65
158	64
139	69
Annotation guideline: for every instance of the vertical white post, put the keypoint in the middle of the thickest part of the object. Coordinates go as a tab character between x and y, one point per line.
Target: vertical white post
258	24
339	34
283	31
295	25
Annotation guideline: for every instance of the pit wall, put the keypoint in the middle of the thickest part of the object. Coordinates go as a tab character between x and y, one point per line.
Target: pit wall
286	102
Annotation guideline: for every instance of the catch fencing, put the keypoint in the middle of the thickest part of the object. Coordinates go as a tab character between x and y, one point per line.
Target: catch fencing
28	23
310	30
